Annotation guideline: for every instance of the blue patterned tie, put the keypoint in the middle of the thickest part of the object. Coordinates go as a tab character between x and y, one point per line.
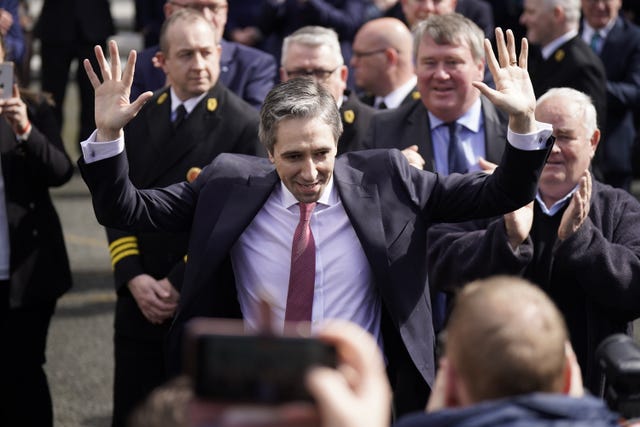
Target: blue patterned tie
456	159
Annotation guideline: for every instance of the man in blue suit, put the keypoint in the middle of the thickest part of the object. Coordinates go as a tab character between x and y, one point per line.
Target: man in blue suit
247	72
617	42
370	214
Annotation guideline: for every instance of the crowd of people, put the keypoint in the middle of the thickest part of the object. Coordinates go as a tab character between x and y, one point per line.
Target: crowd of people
374	161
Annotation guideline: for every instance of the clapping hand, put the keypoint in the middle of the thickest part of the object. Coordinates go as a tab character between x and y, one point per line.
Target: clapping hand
112	106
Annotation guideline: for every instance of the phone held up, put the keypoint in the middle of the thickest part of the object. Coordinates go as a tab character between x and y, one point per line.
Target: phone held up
6	80
228	364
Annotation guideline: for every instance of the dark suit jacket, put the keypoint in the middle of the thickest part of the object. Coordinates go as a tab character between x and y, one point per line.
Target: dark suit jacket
356	117
389	203
39	265
159	156
594	276
70	21
572	65
480	12
408	125
620	55
247	72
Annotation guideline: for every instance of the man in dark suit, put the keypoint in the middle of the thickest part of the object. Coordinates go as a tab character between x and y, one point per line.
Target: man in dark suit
560	57
617	42
372	211
447	94
315	52
449	58
68	30
382	61
166	149
247	72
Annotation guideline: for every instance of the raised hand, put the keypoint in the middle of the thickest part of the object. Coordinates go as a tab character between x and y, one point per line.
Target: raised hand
514	92
578	209
112	107
518	225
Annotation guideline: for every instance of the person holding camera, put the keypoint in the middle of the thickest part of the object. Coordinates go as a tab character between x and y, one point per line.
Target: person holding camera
34	267
319	237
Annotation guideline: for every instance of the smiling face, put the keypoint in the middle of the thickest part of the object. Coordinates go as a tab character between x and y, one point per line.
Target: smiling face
304	156
445	73
573	150
192	62
599	13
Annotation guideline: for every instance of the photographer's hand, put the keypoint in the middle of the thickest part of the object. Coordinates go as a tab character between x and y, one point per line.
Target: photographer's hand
357	394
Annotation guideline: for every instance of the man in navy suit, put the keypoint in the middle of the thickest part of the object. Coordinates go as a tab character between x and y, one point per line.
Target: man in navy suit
372	211
247	72
617	42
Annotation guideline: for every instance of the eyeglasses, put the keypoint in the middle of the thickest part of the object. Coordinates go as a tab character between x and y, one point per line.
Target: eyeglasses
357	54
317	73
214	8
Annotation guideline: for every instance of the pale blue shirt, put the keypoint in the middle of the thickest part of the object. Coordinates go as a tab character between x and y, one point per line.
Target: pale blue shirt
557	205
471	137
395	98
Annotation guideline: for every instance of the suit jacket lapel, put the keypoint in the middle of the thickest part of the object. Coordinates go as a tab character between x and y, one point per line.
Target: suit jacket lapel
418	121
362	204
242	204
494	129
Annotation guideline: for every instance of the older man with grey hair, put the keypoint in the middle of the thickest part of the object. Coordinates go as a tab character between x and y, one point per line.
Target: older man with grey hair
314	52
579	240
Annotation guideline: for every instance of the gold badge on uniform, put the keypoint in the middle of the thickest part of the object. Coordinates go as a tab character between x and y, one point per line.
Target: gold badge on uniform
349	116
415	95
559	55
162	98
193	173
212	104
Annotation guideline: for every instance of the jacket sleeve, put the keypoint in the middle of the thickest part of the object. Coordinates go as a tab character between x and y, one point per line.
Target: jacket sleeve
458	253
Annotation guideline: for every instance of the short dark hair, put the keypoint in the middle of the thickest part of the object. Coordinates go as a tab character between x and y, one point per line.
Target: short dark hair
298	98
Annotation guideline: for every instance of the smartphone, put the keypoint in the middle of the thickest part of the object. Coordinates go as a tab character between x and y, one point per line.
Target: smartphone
6	79
259	369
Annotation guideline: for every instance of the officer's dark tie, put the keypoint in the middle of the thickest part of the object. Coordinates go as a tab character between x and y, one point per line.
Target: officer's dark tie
382	106
179	116
456	158
303	269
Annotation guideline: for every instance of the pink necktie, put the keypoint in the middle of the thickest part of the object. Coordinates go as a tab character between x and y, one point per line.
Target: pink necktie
303	269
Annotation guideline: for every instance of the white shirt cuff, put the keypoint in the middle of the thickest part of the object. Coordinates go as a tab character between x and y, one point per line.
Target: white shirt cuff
93	151
531	141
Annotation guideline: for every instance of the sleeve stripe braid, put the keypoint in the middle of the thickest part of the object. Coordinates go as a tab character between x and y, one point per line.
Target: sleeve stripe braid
115	259
128	239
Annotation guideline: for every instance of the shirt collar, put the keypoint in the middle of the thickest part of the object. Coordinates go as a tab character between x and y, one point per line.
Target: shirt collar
588	30
395	98
329	197
470	119
189	104
557	205
551	47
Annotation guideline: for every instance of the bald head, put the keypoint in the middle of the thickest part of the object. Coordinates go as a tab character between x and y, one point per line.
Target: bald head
382	56
505	337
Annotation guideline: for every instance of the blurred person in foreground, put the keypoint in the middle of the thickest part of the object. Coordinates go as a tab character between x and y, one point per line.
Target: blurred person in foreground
34	267
507	362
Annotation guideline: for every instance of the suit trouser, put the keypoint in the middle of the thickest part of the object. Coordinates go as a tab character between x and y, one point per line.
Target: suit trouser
139	368
25	399
56	62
